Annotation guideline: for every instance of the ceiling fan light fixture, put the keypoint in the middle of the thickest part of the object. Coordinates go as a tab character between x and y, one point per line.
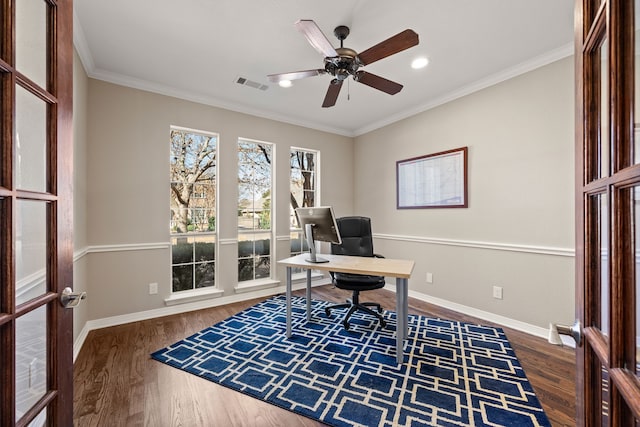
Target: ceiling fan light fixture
420	62
285	83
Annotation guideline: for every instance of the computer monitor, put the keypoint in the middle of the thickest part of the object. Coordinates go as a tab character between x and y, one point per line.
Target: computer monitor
318	223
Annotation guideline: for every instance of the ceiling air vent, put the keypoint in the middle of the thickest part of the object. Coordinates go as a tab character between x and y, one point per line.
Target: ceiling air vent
251	83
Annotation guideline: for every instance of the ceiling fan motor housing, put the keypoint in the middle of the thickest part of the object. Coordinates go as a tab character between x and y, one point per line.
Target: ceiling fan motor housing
343	65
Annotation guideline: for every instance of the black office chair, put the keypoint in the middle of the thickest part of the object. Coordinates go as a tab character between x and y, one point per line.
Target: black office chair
356	241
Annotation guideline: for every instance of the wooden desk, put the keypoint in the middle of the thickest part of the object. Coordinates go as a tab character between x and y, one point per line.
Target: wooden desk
398	268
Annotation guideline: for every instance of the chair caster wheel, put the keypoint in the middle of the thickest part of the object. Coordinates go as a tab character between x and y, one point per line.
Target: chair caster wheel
327	312
346	325
383	324
380	310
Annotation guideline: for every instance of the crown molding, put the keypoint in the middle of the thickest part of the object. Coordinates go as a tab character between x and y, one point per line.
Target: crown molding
82	47
509	73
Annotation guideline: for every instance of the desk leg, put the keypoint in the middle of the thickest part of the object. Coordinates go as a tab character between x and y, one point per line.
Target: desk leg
308	295
402	294
288	302
405	299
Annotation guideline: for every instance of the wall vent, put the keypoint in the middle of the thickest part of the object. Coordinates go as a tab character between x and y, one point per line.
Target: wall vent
246	82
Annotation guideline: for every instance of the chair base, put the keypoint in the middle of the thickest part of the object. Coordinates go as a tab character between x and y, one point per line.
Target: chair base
353	306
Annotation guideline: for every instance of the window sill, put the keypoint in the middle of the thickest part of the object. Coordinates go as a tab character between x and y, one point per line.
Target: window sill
255	285
191	296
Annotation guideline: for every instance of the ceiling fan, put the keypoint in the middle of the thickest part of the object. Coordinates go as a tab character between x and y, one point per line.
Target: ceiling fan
343	62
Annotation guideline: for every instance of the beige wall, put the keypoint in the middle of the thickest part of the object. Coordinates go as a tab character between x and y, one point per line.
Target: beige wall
517	232
521	186
128	189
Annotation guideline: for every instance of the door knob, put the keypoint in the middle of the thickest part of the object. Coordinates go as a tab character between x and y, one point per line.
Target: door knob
574	331
70	299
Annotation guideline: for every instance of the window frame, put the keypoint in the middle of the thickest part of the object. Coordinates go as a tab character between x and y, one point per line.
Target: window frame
196	234
296	233
241	234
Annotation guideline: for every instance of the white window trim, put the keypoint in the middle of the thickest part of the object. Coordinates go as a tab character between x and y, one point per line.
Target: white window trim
248	283
178	297
182	297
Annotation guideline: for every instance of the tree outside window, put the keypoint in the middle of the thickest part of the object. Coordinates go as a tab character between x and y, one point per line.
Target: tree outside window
193	159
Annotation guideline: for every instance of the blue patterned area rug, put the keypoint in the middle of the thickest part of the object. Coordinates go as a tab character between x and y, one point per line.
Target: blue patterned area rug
454	374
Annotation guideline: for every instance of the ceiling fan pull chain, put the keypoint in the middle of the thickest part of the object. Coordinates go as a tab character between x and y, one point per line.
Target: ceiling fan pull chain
348	90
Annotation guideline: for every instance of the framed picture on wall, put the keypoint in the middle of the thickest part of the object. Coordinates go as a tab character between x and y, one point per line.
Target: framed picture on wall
436	180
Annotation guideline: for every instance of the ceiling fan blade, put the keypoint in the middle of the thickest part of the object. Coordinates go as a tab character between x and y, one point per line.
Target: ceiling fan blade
315	37
294	75
392	45
378	82
332	93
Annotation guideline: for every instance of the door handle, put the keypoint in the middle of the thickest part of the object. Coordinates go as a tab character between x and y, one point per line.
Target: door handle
70	299
574	331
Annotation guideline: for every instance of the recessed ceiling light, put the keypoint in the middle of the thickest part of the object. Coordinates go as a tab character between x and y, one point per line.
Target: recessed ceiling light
285	83
420	63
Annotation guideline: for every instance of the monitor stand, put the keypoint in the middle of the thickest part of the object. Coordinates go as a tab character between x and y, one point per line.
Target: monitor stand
308	229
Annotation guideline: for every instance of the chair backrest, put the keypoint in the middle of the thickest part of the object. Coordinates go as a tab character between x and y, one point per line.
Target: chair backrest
356	236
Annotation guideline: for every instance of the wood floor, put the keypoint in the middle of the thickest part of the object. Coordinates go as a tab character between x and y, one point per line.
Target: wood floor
117	384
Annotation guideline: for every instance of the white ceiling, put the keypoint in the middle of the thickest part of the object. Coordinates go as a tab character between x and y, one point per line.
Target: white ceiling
196	49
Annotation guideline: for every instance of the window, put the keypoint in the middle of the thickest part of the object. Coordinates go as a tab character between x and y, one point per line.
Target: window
193	208
255	166
303	192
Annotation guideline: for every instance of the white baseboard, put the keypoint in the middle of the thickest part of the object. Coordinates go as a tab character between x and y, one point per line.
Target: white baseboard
486	315
77	344
177	309
198	305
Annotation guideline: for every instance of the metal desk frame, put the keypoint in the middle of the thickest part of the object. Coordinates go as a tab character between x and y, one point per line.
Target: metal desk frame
400	269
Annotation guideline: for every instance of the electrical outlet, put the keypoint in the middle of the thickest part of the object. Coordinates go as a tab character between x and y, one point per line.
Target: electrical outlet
429	278
153	288
497	292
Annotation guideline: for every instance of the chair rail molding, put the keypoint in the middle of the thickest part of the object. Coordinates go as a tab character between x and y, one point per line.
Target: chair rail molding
509	247
127	247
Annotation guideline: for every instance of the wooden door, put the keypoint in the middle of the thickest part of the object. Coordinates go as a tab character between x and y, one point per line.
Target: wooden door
607	213
36	247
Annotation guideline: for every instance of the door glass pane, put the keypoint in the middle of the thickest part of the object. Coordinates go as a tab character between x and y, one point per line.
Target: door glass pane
31	142
31	40
636	226
31	250
604	110
636	67
605	396
31	358
604	264
5	111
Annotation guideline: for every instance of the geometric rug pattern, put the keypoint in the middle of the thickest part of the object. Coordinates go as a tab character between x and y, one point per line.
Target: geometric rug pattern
454	374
